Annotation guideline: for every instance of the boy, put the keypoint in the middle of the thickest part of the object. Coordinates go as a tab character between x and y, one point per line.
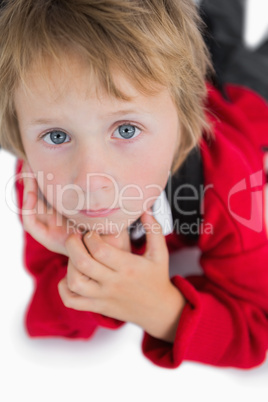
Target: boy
101	99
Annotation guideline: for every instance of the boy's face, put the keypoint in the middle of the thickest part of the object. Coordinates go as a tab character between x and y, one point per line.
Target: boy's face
93	152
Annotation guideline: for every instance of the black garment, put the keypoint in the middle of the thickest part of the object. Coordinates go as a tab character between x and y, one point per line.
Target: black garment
185	193
233	62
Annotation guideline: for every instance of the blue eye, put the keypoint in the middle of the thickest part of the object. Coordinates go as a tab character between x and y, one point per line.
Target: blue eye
127	131
55	137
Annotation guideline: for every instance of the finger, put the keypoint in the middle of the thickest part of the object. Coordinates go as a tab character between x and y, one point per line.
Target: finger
75	301
105	253
80	283
83	261
32	223
29	210
30	194
34	211
120	241
29	179
30	184
156	248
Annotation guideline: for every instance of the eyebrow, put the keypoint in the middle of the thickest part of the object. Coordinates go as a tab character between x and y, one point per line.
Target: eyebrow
118	112
38	122
43	121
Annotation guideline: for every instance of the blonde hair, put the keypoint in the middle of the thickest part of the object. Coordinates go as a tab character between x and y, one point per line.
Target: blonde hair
153	42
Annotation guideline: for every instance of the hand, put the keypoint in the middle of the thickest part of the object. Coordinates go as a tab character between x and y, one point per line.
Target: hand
106	280
120	241
40	219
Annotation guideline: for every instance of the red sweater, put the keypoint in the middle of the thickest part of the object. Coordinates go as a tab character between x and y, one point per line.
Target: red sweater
225	320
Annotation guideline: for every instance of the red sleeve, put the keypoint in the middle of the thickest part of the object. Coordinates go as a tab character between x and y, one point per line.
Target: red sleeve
225	320
46	314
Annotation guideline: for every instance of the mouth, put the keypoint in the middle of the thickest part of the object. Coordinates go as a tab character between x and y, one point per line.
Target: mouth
95	213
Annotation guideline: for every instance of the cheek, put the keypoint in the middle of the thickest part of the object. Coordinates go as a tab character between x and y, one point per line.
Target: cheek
53	184
156	164
146	180
64	198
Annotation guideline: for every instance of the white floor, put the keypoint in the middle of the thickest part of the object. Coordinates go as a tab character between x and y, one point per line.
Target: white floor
108	367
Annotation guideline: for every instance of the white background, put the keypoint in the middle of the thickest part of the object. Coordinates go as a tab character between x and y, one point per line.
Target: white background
110	366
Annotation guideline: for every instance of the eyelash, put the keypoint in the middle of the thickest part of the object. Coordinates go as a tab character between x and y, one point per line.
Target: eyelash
130	140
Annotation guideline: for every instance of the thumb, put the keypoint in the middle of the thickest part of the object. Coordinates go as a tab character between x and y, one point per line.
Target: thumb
156	248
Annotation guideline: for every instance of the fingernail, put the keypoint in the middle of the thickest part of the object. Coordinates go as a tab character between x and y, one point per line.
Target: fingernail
89	235
95	235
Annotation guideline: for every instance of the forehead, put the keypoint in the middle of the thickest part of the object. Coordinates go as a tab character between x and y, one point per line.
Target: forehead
71	71
54	83
53	79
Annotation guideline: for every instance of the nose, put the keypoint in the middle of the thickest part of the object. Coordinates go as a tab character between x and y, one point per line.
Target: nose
92	172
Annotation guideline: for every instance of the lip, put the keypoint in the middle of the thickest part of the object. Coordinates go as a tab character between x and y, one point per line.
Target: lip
98	212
